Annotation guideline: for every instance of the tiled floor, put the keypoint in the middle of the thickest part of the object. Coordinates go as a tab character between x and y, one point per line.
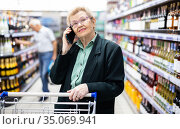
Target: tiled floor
121	104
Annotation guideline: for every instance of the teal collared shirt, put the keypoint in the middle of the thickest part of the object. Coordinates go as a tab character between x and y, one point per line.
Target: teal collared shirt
81	61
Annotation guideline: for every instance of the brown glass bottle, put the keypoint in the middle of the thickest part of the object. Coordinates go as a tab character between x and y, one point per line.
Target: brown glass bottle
176	17
170	17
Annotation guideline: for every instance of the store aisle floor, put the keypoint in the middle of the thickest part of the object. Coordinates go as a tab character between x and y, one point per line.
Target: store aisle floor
121	104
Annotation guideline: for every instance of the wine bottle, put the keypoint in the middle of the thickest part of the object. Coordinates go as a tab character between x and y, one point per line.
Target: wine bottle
176	17
177	63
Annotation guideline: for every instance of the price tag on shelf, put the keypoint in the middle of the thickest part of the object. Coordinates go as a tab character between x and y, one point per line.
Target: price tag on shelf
152	36
7	35
169	38
178	38
11	77
160	72
145	36
175	38
160	37
175	81
18	75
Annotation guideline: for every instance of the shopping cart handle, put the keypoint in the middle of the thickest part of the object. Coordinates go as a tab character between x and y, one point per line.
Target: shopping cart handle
4	94
94	95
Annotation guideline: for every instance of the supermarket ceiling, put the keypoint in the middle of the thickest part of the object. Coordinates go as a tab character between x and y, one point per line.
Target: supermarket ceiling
52	5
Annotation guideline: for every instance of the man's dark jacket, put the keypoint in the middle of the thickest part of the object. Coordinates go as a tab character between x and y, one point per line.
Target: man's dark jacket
104	73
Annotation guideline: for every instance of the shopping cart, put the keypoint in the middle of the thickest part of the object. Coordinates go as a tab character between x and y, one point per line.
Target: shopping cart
43	107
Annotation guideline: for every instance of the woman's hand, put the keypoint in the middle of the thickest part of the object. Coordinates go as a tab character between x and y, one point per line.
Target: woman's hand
66	46
78	92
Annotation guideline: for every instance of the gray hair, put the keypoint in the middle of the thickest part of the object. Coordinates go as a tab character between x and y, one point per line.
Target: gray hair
76	10
34	22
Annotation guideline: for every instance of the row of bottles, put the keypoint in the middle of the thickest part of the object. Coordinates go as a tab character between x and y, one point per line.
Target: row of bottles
133	93
12	65
16	84
9	46
8	66
5	46
148	106
162	17
14	21
123	5
9	85
163	54
138	99
167	95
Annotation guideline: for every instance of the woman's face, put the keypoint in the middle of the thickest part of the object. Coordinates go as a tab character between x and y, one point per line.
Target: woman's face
82	24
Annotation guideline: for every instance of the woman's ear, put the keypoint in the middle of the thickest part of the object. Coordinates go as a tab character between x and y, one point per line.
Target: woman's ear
94	22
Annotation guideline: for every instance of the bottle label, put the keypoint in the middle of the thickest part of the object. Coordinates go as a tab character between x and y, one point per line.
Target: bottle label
171	67
161	62
178	66
136	49
169	21
166	64
155	60
175	65
175	22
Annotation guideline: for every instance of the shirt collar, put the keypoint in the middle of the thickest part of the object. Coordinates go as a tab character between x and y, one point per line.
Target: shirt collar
79	43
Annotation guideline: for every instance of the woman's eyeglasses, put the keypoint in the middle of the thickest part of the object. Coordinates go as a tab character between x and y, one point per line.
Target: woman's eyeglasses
82	21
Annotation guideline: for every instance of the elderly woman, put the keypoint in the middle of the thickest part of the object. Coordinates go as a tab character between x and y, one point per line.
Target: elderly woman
92	64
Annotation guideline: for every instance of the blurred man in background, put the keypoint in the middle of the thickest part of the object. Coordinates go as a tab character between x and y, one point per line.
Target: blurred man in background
47	49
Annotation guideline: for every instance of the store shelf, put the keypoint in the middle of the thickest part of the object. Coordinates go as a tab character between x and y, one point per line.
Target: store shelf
21	72
25	50
22	34
138	8
145	95
21	51
160	36
153	68
27	69
17	34
5	35
27	86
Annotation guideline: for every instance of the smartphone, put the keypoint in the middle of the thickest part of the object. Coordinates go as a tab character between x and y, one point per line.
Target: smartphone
70	36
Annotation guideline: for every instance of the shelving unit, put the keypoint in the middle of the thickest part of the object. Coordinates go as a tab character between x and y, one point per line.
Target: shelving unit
18	62
27	86
21	72
160	36
5	35
120	24
22	34
153	68
18	34
138	8
34	47
143	92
